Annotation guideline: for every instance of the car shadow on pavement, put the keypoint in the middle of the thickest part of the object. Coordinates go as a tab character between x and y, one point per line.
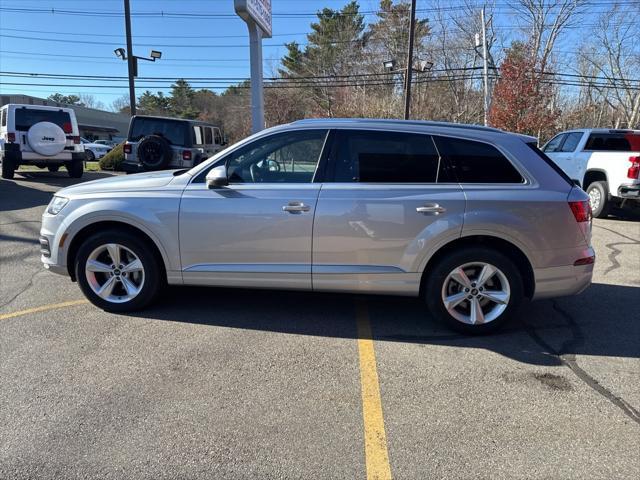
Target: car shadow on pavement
543	333
26	190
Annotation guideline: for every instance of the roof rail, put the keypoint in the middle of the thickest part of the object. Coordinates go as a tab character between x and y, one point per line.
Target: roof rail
426	123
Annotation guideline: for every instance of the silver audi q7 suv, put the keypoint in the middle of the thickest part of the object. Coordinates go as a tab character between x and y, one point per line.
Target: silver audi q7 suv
471	219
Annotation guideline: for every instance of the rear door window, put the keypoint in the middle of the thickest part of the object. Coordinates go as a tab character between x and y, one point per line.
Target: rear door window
571	142
476	162
369	156
614	142
27	117
208	136
174	131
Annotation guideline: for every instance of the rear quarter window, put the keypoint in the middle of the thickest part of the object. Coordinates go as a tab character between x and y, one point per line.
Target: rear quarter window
614	142
27	117
476	162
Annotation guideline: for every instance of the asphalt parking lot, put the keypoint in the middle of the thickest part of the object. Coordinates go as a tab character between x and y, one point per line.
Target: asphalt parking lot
217	383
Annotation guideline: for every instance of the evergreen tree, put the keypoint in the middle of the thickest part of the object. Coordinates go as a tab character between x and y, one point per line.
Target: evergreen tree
181	102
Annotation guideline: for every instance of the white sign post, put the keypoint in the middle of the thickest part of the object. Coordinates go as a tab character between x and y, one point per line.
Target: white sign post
257	15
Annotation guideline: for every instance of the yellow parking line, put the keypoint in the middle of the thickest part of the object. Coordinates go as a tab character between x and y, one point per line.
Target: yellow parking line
375	441
43	308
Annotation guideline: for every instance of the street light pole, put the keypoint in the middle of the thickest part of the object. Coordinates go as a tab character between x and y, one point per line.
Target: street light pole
131	60
409	71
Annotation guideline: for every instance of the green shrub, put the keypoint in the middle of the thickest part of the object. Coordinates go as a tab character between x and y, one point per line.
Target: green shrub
113	159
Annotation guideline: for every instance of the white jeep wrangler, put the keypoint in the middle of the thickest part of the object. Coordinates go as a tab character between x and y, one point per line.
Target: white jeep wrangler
47	137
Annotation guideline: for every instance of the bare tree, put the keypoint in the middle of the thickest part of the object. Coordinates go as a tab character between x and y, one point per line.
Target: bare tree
90	101
613	56
544	21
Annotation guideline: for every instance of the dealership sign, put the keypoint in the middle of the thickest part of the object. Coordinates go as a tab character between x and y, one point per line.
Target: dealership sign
258	11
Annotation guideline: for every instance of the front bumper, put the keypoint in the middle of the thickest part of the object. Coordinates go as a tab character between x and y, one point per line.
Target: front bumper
629	191
53	243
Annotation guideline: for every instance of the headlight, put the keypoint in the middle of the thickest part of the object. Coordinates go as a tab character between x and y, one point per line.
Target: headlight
56	204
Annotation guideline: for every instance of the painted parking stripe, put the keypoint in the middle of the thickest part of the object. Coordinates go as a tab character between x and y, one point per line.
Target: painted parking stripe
43	308
375	440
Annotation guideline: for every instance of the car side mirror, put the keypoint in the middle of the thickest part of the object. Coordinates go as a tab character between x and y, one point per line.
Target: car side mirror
225	140
217	177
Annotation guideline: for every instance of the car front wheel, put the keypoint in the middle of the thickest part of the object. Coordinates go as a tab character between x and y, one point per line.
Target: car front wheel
474	290
117	272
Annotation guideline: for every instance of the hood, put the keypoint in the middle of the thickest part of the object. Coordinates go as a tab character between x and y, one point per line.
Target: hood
121	183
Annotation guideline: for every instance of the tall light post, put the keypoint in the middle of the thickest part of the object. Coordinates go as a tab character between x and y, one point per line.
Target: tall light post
132	60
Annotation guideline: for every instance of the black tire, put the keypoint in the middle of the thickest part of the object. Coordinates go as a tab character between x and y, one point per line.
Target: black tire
75	168
8	169
154	153
154	276
601	189
53	168
439	273
90	156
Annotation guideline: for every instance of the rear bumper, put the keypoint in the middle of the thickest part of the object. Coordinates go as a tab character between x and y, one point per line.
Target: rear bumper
629	191
562	281
30	158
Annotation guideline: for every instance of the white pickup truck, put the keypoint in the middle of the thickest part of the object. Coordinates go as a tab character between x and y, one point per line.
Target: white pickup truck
605	163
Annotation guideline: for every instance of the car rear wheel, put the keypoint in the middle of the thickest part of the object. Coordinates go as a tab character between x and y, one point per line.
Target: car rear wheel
8	169
75	168
117	272
599	199
474	290
90	156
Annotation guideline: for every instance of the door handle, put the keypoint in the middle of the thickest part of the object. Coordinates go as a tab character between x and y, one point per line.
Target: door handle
431	208
296	207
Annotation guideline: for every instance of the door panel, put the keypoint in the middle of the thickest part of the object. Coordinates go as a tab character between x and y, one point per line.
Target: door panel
241	235
374	238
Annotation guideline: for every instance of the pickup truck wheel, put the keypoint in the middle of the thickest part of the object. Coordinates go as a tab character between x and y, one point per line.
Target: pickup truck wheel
117	272
474	290
53	168
75	168
7	169
599	199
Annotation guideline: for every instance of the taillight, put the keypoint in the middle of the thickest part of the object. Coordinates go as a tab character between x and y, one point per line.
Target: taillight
585	261
581	210
126	148
634	169
76	140
66	126
186	155
11	137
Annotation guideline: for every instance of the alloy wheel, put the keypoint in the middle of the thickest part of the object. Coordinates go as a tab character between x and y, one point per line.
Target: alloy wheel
114	273
476	293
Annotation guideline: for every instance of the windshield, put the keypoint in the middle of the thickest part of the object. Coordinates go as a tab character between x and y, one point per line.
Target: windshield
174	131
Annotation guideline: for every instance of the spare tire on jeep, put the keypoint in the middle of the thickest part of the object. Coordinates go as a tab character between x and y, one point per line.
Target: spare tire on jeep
154	152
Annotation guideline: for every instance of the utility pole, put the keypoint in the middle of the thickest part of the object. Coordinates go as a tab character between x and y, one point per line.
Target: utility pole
485	68
409	72
131	59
